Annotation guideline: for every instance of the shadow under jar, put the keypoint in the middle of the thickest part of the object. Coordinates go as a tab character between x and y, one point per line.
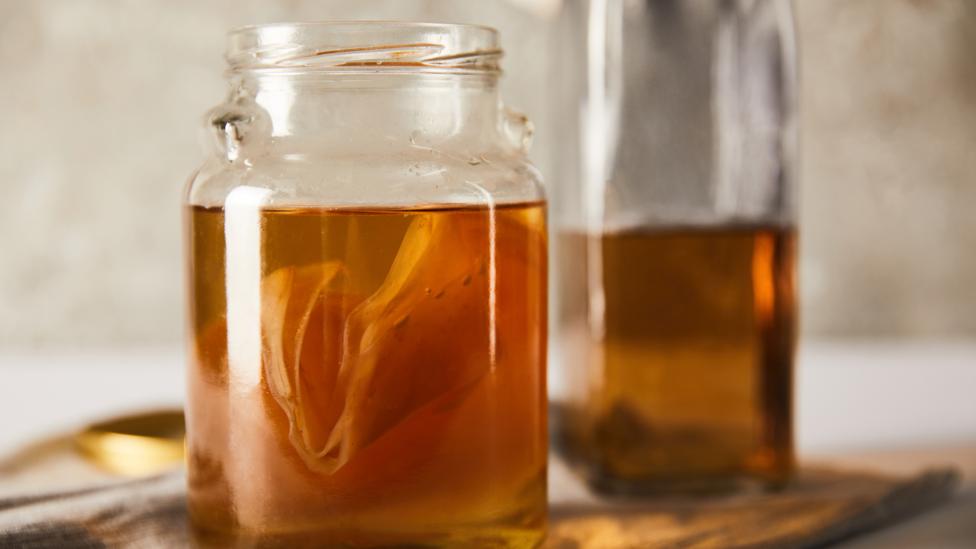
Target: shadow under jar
367	260
676	247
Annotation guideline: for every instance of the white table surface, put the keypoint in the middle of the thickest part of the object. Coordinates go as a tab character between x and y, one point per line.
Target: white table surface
850	396
853	399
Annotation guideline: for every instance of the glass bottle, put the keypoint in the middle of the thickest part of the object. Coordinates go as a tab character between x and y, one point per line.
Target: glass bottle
367	278
675	244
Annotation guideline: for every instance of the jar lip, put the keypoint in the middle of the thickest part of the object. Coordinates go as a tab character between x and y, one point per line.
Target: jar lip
364	46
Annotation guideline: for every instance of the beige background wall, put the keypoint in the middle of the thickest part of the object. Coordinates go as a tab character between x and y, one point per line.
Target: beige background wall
889	166
102	101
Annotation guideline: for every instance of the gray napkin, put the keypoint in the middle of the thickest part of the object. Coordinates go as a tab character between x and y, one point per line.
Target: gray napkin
147	513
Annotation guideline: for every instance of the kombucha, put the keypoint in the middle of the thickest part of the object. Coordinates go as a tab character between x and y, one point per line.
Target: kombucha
368	377
681	342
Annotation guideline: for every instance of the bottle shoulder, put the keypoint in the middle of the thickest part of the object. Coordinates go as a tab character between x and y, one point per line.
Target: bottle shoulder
398	178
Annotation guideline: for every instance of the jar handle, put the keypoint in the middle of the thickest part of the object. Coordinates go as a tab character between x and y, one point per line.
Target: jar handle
518	129
233	125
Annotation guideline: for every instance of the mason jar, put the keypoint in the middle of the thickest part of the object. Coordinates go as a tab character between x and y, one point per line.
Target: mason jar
674	221
367	295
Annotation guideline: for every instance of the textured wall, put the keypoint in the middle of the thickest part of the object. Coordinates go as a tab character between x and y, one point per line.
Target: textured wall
889	166
103	100
103	103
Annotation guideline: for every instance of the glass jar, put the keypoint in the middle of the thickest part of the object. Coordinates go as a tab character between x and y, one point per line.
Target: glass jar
675	245
367	260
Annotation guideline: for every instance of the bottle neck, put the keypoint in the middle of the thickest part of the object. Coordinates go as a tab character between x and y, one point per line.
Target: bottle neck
367	112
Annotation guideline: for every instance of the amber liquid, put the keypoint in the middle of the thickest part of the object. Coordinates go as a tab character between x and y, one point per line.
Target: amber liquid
368	377
687	372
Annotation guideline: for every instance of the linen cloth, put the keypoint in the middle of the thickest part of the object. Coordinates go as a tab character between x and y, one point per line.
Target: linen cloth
820	507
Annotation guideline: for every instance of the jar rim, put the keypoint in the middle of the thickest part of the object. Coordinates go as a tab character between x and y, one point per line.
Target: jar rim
364	46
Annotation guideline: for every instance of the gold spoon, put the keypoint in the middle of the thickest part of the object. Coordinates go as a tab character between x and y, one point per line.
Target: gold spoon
135	445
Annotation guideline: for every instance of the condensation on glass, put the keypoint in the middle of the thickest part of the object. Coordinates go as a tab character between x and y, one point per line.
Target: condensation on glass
675	244
367	275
